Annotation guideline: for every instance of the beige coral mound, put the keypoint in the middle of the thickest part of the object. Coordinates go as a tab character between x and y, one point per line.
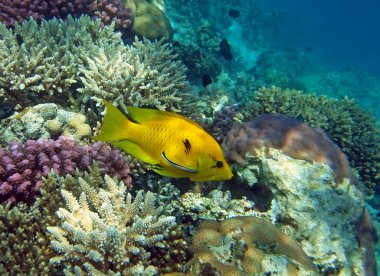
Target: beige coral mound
105	232
246	246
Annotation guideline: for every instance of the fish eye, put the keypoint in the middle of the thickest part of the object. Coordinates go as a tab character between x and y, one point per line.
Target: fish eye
219	164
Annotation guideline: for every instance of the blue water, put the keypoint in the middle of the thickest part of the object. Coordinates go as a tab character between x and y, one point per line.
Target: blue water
342	34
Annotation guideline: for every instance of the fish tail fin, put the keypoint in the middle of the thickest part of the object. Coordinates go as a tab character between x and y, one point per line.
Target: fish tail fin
114	125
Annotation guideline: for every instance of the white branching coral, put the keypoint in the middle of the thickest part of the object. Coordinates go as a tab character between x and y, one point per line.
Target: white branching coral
105	232
145	74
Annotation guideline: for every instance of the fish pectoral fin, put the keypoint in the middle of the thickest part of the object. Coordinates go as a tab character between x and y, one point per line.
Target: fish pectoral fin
134	150
178	166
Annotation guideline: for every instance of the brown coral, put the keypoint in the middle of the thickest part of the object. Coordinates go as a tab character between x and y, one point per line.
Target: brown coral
294	138
241	246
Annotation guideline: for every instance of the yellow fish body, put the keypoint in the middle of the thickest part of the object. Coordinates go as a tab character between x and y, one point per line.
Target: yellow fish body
173	144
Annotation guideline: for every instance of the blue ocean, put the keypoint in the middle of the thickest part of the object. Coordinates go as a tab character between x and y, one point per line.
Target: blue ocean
172	137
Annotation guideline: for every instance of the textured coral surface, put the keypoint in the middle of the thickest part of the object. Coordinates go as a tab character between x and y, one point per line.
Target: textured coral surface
23	165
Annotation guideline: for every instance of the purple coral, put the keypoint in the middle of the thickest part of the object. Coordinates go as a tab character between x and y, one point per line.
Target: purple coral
12	11
223	122
23	165
113	10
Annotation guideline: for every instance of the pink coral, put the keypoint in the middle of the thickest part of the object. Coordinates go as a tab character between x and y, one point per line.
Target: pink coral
294	138
23	165
12	11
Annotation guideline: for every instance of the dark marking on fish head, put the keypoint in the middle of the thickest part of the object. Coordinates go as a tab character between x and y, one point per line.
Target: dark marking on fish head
218	164
187	144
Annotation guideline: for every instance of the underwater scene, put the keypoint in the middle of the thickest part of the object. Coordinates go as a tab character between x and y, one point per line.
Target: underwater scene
189	137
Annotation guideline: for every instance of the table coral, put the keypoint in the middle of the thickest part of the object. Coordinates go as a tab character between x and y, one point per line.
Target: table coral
105	232
246	246
23	165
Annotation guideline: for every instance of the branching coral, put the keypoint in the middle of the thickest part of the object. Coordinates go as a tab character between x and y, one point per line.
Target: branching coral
106	232
40	63
23	165
350	127
23	231
245	246
144	74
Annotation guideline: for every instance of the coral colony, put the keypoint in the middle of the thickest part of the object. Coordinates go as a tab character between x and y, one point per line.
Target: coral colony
304	195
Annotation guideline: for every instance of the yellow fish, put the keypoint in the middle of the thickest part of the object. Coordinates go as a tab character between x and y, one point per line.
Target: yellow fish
173	144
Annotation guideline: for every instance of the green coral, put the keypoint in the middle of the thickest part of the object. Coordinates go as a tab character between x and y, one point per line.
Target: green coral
39	63
351	128
144	74
105	232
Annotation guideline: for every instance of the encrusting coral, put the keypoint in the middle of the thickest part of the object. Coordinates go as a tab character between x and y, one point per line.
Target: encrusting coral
23	165
105	232
303	201
294	138
44	121
351	128
148	20
246	246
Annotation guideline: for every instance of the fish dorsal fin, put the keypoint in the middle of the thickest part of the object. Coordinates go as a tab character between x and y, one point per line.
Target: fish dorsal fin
142	115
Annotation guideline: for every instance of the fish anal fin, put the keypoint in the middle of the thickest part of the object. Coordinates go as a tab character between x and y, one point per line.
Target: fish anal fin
134	150
162	171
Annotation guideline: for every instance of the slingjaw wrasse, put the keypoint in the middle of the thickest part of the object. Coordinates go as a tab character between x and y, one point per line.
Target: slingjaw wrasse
173	144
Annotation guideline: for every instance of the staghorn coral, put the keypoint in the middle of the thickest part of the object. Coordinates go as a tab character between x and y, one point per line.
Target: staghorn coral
44	121
23	231
23	165
303	201
43	66
105	232
246	246
144	74
290	136
351	128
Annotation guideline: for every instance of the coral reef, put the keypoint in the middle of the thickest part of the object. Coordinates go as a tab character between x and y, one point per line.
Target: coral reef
39	63
223	121
21	222
291	136
16	11
106	232
217	205
351	128
145	74
304	201
246	246
109	11
44	121
148	20
23	165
